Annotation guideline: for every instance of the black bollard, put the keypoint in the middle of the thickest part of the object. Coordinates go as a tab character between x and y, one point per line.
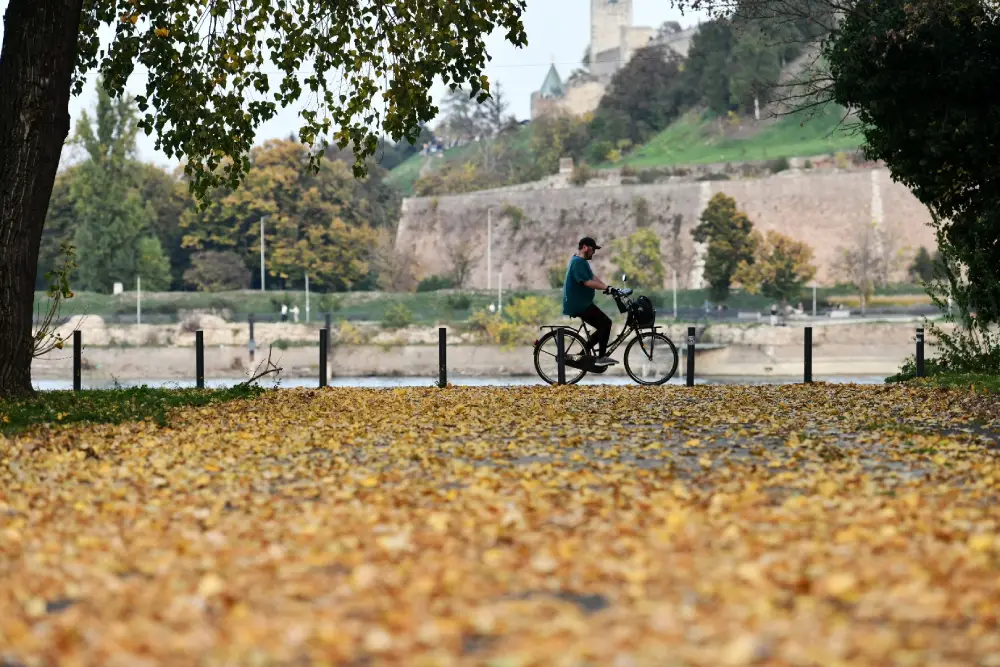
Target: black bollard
809	355
199	358
442	357
690	357
252	345
560	357
920	352
323	348
77	360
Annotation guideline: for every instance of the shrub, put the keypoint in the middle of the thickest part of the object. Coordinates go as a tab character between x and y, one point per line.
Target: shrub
556	276
515	214
435	283
329	303
629	171
581	174
458	301
213	271
531	310
348	334
398	316
281	344
779	165
842	160
808	164
647	176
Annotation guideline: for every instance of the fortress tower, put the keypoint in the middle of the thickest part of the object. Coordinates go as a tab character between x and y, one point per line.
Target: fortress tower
609	20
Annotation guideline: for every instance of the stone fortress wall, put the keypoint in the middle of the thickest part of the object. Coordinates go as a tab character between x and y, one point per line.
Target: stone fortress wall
541	227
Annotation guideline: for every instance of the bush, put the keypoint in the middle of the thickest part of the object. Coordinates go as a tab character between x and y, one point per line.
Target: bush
398	316
329	303
348	334
629	171
779	165
648	176
557	276
213	271
581	174
515	214
282	344
435	283
459	301
531	310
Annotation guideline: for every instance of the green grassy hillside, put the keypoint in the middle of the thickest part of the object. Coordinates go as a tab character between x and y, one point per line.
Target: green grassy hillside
695	138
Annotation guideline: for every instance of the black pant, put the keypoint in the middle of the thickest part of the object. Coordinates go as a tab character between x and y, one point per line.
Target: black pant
596	318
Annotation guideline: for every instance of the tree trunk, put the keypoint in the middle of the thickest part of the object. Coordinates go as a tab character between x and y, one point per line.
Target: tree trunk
36	66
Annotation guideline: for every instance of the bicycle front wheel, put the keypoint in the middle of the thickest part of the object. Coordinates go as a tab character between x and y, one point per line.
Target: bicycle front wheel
650	358
546	362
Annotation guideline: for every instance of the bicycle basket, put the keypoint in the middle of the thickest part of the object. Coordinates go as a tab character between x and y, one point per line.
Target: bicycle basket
643	312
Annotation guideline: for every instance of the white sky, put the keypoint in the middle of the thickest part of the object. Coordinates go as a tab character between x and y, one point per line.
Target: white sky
558	31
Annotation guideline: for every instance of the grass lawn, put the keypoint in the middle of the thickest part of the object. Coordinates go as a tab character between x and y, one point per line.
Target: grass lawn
693	140
112	406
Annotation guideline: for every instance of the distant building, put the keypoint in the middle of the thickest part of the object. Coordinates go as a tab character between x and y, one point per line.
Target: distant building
613	42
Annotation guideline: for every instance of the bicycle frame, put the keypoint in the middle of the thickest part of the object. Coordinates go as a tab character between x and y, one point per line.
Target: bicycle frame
627	328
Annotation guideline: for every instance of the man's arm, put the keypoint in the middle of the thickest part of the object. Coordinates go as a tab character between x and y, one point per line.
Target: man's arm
595	283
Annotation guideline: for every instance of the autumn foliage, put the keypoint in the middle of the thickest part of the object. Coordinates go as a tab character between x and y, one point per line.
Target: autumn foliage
821	525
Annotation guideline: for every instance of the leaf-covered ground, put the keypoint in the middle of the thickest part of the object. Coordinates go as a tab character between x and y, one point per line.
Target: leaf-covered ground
822	525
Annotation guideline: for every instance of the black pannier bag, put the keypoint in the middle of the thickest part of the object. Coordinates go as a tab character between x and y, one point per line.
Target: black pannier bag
643	312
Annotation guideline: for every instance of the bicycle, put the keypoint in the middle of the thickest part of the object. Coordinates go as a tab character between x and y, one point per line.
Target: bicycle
578	357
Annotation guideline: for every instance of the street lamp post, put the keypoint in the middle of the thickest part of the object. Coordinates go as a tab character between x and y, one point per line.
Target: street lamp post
262	218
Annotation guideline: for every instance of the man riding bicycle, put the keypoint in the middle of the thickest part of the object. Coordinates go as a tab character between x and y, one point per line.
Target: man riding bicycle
578	298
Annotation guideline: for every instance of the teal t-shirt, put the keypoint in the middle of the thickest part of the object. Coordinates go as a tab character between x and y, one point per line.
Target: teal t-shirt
576	297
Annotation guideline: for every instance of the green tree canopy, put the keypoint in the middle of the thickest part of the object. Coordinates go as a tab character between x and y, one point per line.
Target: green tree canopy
922	76
643	98
321	223
114	222
726	230
638	256
780	268
214	72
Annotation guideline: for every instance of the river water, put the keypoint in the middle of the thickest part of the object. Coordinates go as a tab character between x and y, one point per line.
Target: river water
391	382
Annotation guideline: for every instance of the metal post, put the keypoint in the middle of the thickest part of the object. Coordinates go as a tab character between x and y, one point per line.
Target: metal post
675	294
262	218
138	300
809	355
920	352
252	345
326	326
560	356
690	357
307	298
199	358
324	346
77	360
442	357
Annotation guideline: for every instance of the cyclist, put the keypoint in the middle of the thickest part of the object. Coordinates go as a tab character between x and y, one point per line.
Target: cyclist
578	298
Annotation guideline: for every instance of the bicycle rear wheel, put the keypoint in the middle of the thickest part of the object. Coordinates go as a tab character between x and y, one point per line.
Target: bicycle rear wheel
650	358
546	363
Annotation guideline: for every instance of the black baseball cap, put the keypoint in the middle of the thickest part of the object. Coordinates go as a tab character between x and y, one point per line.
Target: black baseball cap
586	240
